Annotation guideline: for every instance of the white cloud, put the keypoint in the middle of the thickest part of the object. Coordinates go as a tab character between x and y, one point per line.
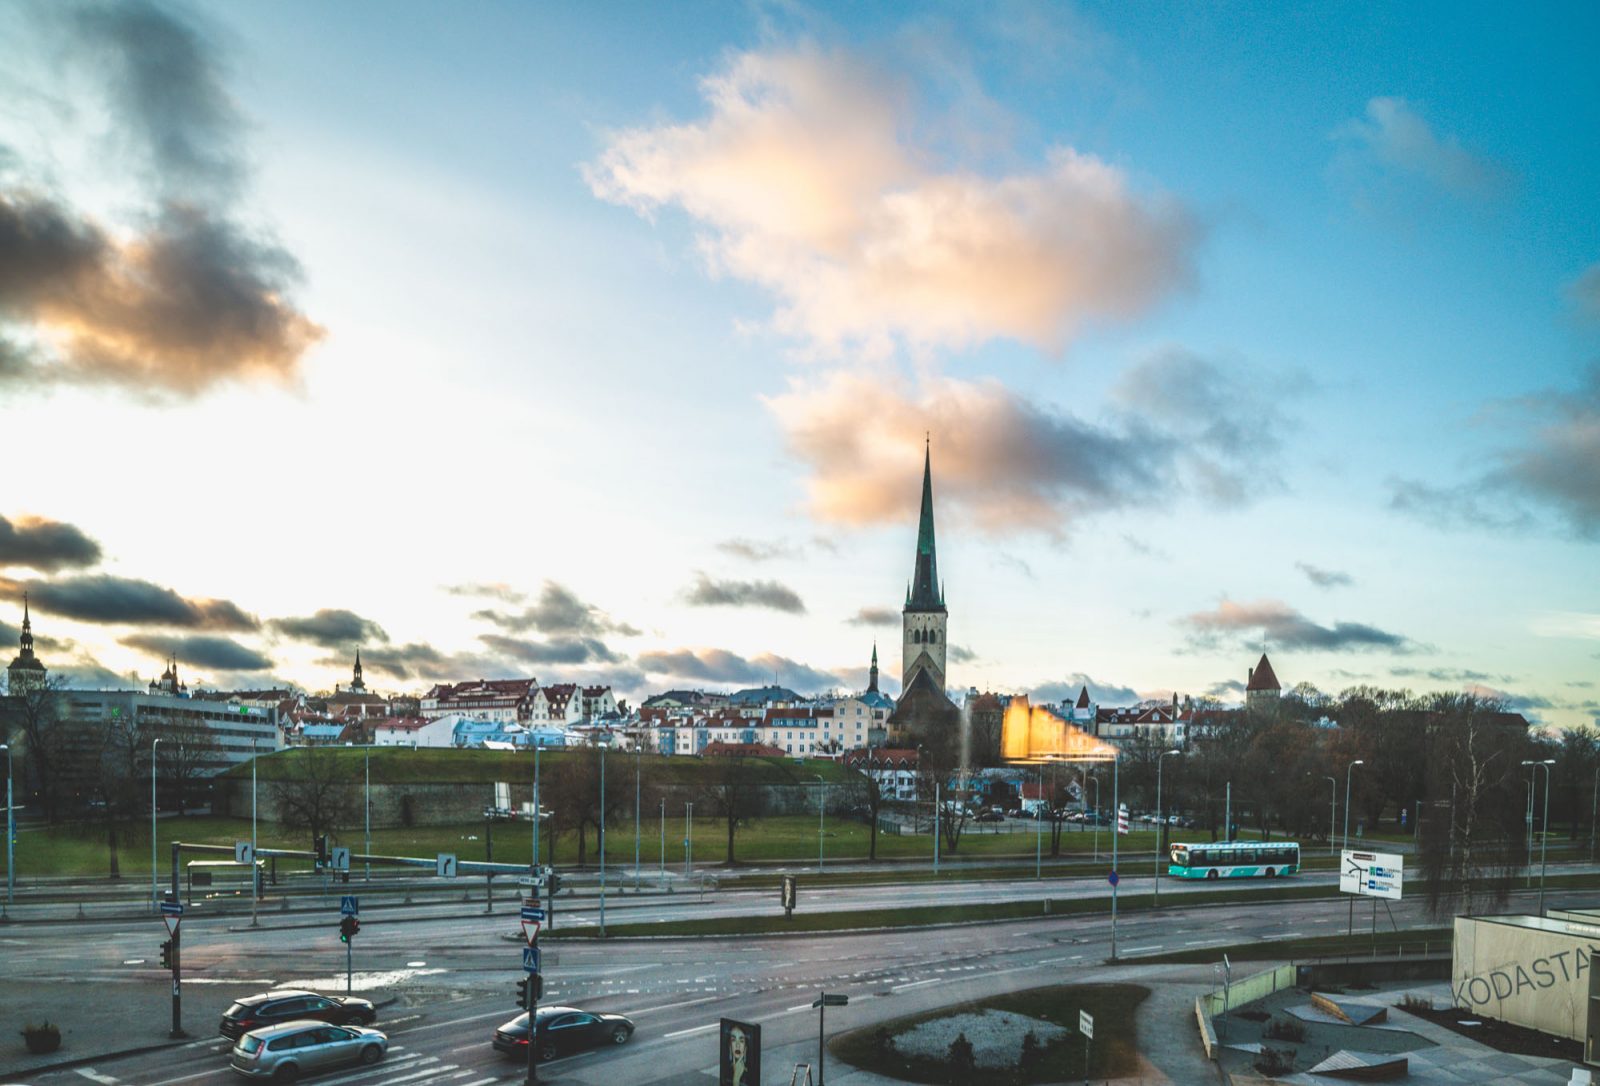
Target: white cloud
806	178
1400	140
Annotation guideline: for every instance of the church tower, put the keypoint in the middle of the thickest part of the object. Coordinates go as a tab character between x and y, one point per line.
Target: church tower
26	672
924	618
357	685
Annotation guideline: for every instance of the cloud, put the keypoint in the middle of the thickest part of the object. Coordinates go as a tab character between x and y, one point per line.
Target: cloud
416	660
706	592
874	616
558	610
1325	578
184	296
808	176
756	550
1397	139
1284	627
219	653
1584	292
1067	690
1228	688
490	591
45	545
960	654
1551	465
103	598
1515	703
1447	675
331	628
1011	561
722	666
557	650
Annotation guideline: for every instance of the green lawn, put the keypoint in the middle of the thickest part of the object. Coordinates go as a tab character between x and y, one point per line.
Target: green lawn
1114	1052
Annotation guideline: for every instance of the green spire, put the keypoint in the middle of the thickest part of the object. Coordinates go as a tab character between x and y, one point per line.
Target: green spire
926	594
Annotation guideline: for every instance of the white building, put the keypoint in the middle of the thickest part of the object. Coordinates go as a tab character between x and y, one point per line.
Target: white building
233	728
413	731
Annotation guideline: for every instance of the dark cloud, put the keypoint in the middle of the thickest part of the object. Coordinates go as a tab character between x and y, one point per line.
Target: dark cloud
874	616
84	672
706	592
45	545
756	550
1228	688
415	660
1067	690
331	628
722	666
1011	561
186	298
1284	627
1552	464
960	654
103	598
488	591
1448	675
1325	578
557	650
218	653
557	611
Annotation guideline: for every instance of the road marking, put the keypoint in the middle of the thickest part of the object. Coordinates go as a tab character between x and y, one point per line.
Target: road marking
184	1078
423	1063
696	1029
454	1022
95	1076
670	1006
916	984
1137	949
396	1021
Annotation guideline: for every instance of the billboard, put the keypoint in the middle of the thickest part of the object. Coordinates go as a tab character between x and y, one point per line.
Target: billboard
1371	874
740	1061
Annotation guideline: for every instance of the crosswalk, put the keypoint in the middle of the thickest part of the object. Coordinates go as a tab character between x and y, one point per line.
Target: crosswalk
401	1067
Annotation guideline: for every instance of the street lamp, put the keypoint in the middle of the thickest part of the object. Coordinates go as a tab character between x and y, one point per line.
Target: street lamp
1594	806
1160	820
1116	832
1347	772
602	852
1333	805
822	806
1544	828
638	758
154	899
367	805
255	883
1095	780
11	834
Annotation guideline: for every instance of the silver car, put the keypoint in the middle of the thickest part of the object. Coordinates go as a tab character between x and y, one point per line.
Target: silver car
285	1052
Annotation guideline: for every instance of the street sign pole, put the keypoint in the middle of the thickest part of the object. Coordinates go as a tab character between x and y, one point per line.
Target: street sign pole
822	1003
1086	1027
533	1014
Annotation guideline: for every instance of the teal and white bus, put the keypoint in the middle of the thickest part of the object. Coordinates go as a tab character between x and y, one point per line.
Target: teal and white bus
1236	860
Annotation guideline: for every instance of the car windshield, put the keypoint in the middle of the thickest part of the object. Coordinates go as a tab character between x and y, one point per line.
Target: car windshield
250	1043
238	1010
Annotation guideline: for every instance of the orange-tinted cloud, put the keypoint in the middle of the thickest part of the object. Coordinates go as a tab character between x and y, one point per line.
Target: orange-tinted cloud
807	178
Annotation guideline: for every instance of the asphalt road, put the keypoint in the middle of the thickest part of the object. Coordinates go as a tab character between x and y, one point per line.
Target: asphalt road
453	979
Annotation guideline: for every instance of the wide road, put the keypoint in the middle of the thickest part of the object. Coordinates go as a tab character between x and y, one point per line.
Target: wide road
454	980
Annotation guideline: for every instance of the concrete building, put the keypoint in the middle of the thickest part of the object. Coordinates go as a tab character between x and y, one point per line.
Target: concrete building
509	701
230	727
1533	971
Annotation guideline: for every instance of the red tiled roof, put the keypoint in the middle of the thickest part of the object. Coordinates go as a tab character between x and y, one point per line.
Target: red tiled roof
1262	677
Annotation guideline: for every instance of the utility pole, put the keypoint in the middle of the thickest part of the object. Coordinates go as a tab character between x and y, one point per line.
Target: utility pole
155	899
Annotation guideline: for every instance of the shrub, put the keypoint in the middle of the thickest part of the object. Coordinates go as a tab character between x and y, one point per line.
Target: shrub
45	1037
883	1041
1275	1061
962	1057
1285	1029
1415	1004
1030	1050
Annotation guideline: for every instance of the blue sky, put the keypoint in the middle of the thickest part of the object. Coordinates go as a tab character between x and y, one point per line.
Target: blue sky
526	334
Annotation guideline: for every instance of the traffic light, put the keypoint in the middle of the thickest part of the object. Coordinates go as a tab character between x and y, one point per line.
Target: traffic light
348	928
522	993
166	954
536	984
323	855
554	884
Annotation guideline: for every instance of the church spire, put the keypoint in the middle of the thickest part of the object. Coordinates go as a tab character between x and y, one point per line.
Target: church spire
356	683
27	628
926	593
872	683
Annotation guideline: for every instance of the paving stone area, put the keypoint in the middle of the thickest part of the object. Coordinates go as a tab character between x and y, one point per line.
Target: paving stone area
995	1036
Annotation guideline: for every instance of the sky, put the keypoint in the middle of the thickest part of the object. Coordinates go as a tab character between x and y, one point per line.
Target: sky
603	343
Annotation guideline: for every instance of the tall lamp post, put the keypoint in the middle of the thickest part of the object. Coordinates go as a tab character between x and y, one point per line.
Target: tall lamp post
155	900
366	803
1116	832
1544	827
255	883
1333	804
638	758
1347	772
11	833
1594	806
602	848
822	806
1096	782
1160	820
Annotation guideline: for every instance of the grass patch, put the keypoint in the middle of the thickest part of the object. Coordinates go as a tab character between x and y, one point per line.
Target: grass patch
922	916
1113	1054
1319	946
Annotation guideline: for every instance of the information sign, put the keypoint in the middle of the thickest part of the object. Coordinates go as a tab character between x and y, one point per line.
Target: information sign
1086	1024
341	859
530	959
243	852
349	905
445	865
1372	874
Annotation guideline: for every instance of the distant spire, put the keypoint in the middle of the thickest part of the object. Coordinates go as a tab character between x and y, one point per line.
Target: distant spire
872	684
27	628
356	682
926	593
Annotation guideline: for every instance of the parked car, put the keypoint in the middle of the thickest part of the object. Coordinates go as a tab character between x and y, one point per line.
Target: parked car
991	816
288	1050
290	1005
563	1031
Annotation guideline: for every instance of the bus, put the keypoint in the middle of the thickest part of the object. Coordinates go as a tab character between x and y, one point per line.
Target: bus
1235	860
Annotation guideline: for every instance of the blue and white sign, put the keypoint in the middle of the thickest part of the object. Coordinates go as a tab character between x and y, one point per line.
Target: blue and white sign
530	959
1113	878
1372	874
532	914
341	859
349	905
172	908
445	865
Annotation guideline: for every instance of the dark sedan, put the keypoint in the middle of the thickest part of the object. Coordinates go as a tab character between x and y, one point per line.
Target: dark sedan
563	1031
291	1004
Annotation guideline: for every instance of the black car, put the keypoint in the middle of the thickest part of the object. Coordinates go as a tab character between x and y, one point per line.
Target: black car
291	1004
563	1031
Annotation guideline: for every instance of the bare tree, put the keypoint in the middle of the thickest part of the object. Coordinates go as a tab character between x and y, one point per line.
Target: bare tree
188	747
312	792
734	795
110	757
37	719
